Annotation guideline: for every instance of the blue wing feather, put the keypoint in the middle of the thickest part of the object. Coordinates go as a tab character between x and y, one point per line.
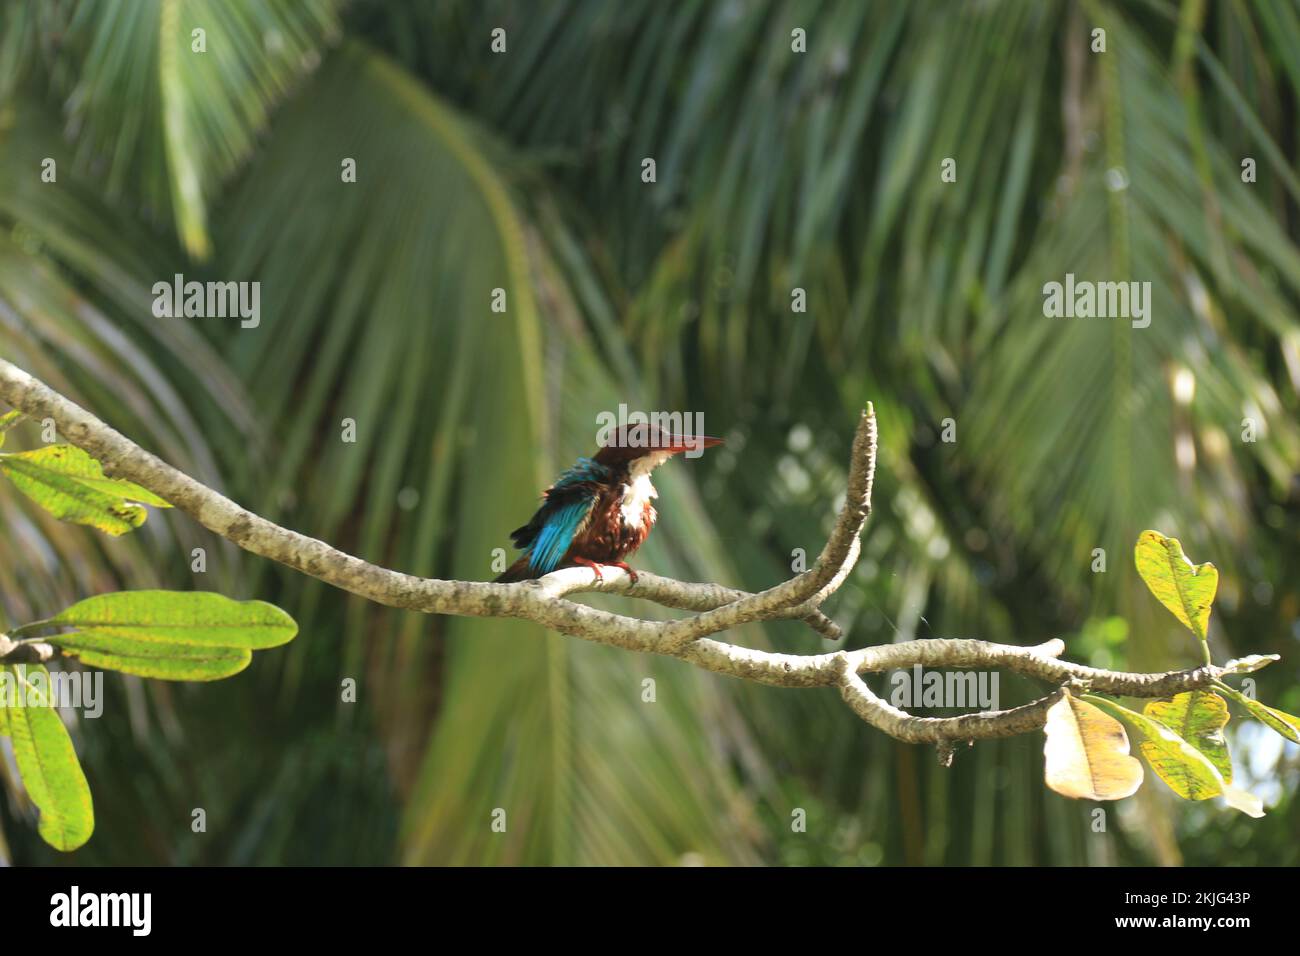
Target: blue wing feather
557	534
550	532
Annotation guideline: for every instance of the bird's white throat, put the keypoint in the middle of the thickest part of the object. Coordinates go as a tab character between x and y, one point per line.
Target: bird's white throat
639	491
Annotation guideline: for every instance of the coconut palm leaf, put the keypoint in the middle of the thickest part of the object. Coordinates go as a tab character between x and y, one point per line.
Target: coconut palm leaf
76	310
775	170
930	291
169	96
384	316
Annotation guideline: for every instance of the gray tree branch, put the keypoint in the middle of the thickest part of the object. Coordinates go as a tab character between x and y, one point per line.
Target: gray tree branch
546	602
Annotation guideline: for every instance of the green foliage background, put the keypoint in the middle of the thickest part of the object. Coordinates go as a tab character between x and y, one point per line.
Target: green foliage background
522	171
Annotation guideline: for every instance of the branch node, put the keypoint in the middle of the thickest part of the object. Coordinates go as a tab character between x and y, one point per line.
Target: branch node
945	748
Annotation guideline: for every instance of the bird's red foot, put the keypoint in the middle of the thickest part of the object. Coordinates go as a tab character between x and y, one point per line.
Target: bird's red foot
587	563
590	564
624	565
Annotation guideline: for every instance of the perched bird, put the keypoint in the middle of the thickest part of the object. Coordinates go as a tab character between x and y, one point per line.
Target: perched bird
600	510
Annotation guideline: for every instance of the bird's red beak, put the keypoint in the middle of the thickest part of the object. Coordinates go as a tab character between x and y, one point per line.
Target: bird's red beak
680	443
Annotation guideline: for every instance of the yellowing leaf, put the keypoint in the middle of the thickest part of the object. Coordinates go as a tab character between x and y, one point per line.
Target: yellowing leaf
71	485
1087	753
1184	768
1198	717
1280	721
1186	589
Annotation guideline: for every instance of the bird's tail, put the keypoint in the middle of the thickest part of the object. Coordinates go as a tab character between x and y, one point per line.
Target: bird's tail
519	571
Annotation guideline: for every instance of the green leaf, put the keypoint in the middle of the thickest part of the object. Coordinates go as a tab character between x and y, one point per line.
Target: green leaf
48	762
1197	716
71	485
162	660
1184	768
180	617
171	635
1282	722
1186	589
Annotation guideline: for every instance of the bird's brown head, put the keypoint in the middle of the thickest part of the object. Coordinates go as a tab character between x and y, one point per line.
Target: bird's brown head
649	443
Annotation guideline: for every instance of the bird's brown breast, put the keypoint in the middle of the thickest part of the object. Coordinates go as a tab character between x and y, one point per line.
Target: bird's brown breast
608	536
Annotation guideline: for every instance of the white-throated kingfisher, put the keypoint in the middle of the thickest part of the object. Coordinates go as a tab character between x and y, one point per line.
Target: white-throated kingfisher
602	509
